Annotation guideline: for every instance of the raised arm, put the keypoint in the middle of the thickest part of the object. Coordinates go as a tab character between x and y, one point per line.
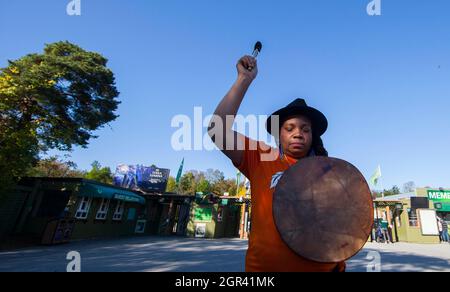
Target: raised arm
220	130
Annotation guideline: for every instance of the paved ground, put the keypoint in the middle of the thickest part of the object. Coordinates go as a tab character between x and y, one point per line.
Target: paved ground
195	255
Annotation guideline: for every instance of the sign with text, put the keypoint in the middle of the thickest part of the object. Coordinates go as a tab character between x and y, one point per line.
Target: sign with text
139	177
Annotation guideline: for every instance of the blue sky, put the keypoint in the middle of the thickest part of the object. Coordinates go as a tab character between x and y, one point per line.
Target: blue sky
382	82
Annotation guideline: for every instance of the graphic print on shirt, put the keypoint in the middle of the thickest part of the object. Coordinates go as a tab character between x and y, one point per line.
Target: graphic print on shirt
275	178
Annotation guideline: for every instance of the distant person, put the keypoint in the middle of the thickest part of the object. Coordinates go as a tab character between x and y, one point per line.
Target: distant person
373	236
387	239
391	238
445	231
440	228
379	233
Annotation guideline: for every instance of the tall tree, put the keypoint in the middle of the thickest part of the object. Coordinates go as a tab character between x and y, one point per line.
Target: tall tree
53	100
17	146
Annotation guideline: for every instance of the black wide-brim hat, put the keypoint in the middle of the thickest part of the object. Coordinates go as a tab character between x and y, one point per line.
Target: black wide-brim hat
299	107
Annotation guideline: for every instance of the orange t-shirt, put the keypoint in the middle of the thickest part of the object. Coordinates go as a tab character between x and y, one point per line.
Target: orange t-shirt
267	252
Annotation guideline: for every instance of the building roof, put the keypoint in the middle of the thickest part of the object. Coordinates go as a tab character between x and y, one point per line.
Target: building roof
397	197
89	188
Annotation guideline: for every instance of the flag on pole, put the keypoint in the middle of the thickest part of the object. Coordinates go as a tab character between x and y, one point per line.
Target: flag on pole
238	178
180	170
376	176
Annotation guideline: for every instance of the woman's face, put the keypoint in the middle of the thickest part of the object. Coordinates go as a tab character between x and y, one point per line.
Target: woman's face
296	136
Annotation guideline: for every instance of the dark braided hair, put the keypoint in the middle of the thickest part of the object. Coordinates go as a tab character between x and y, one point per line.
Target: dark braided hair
317	145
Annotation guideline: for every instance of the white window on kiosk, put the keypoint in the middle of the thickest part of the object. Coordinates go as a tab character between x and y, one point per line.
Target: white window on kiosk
83	208
118	213
102	210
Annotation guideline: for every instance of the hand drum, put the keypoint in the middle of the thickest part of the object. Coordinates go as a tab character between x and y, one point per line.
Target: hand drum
323	209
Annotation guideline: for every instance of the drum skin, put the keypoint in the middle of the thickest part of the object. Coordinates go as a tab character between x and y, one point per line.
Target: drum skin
323	209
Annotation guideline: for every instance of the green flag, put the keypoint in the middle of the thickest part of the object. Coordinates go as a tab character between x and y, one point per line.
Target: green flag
180	170
376	176
238	179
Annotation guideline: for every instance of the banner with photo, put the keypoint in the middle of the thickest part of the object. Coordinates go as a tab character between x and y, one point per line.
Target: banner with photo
140	177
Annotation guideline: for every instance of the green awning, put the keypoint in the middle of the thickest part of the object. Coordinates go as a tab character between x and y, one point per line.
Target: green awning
87	189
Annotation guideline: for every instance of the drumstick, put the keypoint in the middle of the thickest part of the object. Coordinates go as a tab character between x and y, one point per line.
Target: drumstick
256	51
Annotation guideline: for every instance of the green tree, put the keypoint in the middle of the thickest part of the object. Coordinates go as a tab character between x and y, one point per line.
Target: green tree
225	186
393	191
55	167
171	185
17	146
203	186
390	192
210	181
99	173
53	100
187	183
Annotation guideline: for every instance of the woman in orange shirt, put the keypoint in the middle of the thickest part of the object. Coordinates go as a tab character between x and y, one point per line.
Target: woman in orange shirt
300	128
